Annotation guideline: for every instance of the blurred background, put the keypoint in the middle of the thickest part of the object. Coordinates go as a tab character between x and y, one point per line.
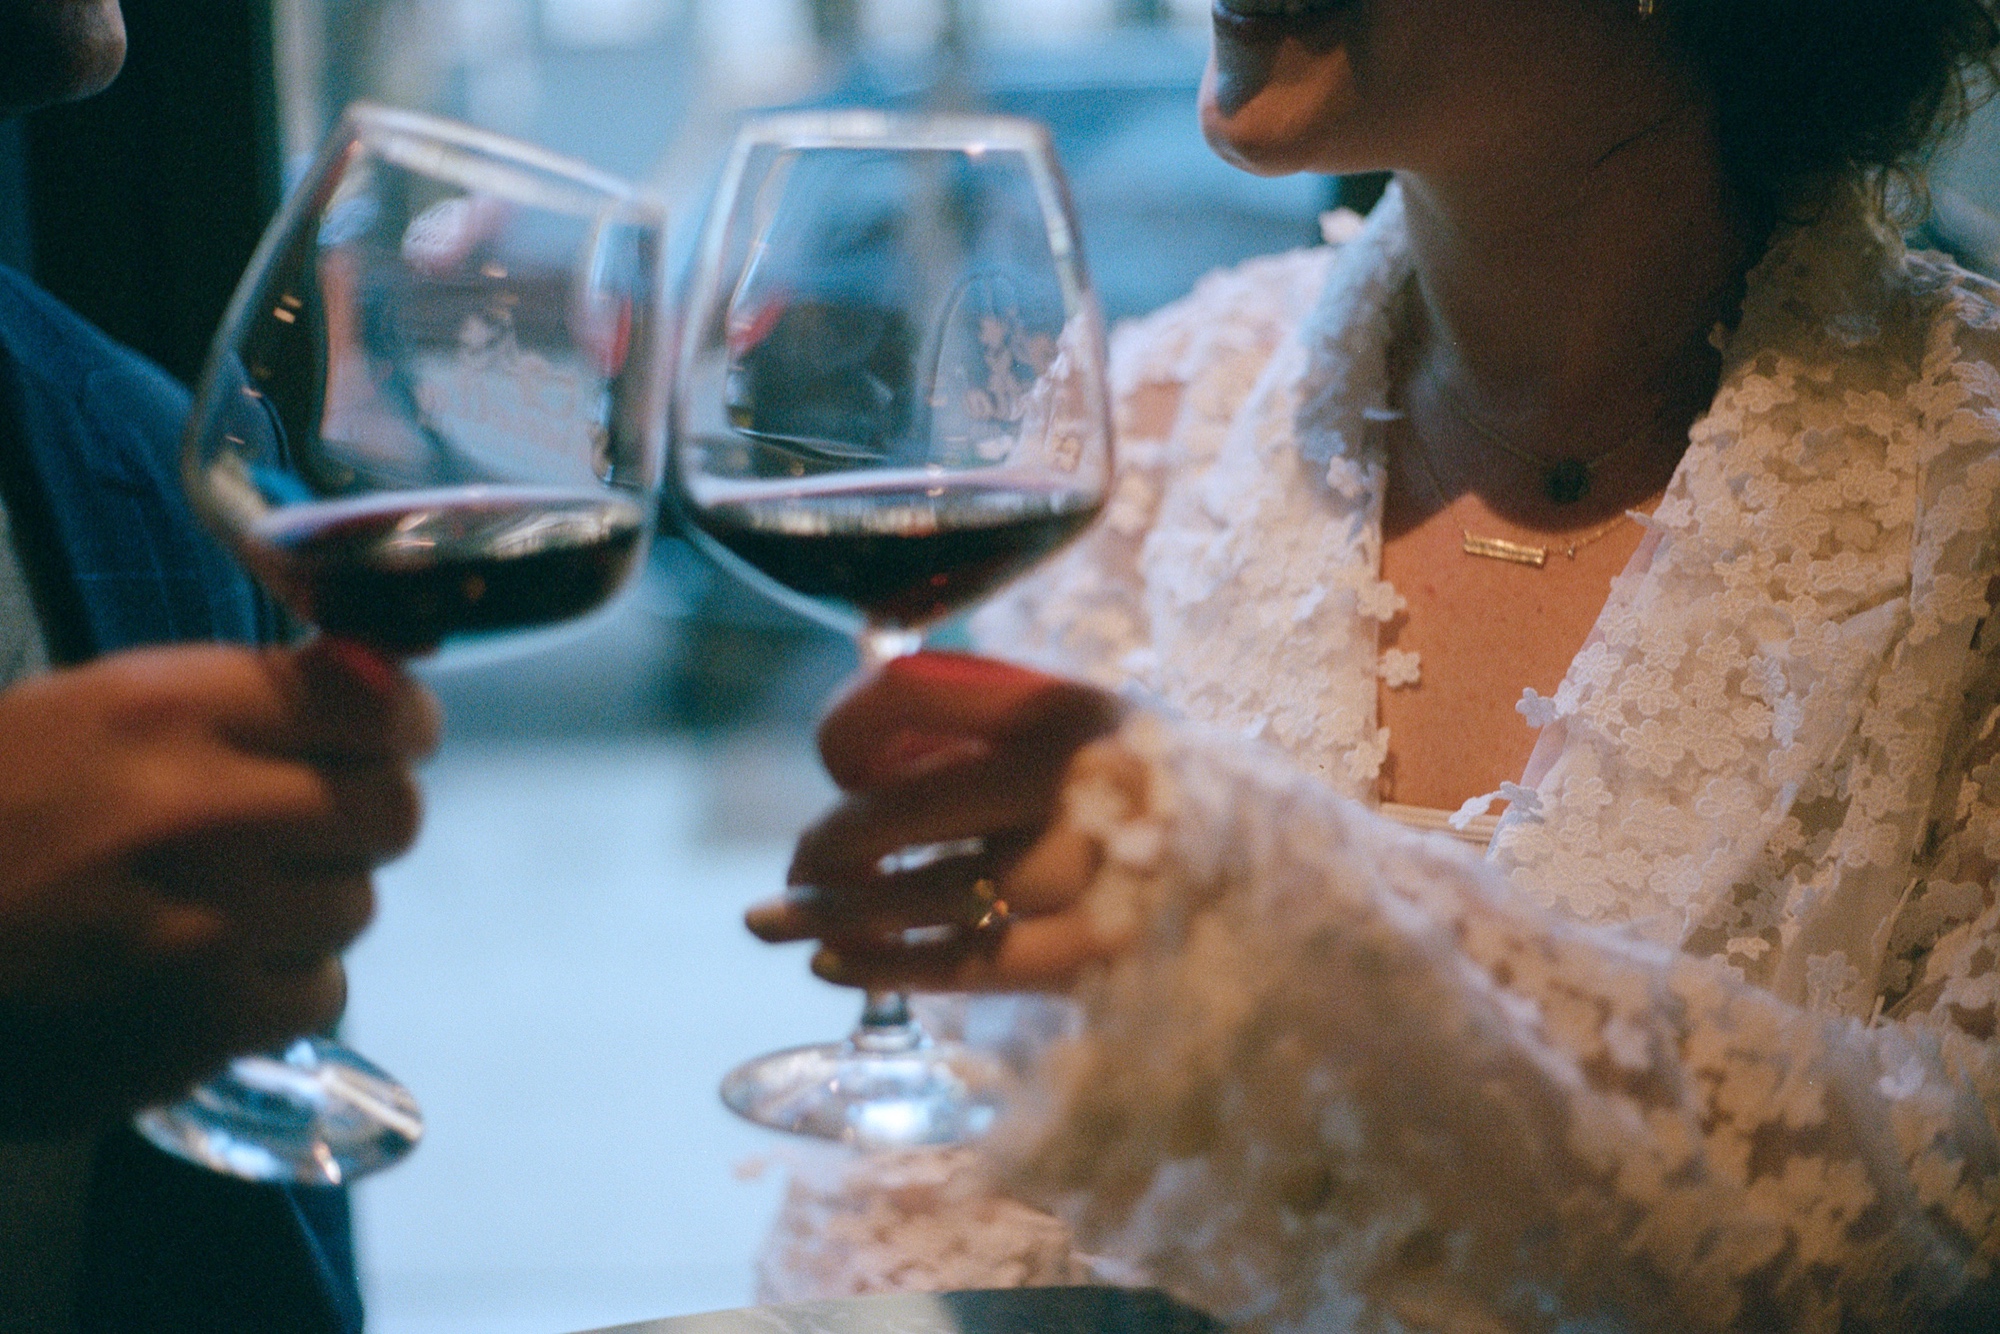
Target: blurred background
558	969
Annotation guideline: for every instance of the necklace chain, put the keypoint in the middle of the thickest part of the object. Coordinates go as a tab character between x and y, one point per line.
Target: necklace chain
1562	491
1501	548
1564	481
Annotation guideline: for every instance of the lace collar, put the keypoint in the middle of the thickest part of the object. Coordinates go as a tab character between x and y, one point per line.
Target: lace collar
1732	683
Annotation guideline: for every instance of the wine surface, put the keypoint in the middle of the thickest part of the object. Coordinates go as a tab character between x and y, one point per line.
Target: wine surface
406	571
900	557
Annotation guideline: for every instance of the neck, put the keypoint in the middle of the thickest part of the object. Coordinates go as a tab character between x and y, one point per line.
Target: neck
1565	306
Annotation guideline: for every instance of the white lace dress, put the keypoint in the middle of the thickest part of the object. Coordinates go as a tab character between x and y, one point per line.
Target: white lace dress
1708	1040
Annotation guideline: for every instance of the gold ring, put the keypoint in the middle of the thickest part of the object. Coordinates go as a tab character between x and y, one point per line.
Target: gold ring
990	913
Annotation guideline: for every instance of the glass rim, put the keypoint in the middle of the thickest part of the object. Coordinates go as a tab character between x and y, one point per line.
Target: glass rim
411	139
366	127
867	128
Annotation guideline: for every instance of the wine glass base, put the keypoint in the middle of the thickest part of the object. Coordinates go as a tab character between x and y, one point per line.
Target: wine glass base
938	1093
318	1116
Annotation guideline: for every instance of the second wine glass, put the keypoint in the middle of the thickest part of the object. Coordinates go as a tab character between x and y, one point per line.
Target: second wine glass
890	399
432	414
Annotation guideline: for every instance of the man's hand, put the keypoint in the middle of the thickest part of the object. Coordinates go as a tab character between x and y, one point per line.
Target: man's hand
186	841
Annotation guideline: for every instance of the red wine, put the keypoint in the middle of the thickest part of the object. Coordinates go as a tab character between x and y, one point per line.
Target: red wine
902	557
404	571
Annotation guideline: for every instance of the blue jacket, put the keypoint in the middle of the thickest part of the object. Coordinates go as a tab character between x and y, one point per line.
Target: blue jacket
89	467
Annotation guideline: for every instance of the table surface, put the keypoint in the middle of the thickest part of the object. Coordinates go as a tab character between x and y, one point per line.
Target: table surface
1091	1310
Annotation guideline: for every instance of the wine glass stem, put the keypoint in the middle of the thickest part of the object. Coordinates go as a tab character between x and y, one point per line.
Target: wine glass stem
881	645
887	1027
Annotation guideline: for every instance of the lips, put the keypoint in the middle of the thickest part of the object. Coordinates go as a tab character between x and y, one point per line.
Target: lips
1251	36
1273	20
1278	9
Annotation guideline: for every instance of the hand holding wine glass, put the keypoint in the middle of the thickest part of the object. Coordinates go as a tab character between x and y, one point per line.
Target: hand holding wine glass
890	400
939	747
431	416
186	836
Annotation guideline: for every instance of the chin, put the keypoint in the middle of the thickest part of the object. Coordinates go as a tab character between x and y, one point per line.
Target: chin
1252	144
57	50
1275	104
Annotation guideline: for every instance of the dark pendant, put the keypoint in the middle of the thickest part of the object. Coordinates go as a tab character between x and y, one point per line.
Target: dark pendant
1566	482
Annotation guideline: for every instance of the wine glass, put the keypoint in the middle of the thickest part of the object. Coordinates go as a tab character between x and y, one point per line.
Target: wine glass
889	399
431	416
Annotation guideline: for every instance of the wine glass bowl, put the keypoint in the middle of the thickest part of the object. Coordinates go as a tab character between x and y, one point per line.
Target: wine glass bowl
431	416
890	393
432	411
889	399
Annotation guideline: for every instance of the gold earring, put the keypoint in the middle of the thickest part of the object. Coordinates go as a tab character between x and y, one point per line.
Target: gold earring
1645	9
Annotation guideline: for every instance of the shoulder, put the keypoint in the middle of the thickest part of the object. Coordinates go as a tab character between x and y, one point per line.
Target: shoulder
91	462
1209	348
1953	406
87	409
1963	321
1945	295
1080	613
1840	320
1956	385
1249	307
58	354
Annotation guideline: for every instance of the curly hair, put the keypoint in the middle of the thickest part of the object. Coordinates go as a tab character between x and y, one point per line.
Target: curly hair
1811	94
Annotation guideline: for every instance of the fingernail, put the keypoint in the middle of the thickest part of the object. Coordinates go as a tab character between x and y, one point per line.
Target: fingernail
364	664
911	755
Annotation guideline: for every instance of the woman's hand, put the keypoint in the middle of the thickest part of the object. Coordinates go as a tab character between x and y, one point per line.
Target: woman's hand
186	840
953	767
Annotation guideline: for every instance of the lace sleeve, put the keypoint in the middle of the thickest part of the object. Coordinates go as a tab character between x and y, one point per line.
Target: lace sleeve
1945	945
1340	1076
1943	957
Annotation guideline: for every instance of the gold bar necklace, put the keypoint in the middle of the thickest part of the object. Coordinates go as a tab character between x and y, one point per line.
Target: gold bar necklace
1499	548
1520	553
